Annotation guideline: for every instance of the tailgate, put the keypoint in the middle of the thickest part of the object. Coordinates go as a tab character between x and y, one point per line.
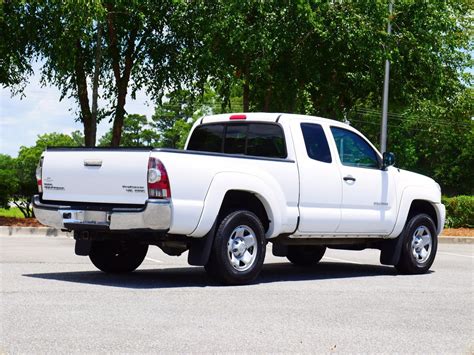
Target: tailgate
94	175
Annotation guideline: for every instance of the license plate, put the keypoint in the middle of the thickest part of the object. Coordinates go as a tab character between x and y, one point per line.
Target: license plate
86	217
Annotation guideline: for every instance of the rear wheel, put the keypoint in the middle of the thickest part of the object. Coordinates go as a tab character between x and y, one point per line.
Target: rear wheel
117	257
420	243
238	250
303	255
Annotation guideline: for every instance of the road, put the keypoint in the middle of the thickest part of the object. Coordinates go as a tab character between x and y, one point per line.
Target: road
55	302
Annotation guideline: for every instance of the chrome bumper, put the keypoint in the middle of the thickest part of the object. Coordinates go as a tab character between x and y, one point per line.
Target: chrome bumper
155	215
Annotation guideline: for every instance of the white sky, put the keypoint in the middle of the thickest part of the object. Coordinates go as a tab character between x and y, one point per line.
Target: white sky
40	111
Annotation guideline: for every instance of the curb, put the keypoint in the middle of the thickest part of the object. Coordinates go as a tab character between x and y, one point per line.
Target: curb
33	231
52	232
456	240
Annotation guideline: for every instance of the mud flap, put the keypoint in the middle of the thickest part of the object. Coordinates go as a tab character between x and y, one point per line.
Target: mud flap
391	250
200	248
83	247
279	249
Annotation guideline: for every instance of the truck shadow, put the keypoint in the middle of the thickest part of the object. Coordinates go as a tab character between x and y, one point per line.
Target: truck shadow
170	277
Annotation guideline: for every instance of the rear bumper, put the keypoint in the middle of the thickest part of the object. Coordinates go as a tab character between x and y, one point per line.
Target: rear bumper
155	215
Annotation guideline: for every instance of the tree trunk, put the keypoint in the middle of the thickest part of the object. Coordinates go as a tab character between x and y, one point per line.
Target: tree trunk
246	88
24	208
89	132
121	77
82	95
268	96
245	101
119	115
95	85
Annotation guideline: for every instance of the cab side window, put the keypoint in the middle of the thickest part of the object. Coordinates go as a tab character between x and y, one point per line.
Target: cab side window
316	143
354	150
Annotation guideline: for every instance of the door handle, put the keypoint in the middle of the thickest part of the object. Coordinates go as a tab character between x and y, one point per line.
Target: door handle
349	178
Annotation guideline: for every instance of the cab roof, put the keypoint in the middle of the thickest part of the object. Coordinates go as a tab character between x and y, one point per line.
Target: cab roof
265	117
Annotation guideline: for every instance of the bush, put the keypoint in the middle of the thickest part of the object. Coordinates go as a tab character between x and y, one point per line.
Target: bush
459	211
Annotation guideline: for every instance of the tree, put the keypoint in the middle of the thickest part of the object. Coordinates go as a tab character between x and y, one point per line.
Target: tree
137	132
174	117
8	180
307	56
16	51
78	138
238	44
325	57
118	47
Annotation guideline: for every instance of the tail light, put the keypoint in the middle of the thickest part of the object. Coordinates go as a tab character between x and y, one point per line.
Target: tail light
39	175
158	182
238	117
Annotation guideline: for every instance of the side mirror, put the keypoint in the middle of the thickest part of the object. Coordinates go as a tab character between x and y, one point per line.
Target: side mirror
388	160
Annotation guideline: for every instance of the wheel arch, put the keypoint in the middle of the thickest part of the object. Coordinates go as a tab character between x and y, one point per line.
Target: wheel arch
237	190
240	199
416	200
422	206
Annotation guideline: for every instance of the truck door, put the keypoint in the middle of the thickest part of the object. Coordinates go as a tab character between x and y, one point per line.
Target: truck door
369	203
320	180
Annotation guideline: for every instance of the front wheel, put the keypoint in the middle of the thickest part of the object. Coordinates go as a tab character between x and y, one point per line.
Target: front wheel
238	250
420	243
117	257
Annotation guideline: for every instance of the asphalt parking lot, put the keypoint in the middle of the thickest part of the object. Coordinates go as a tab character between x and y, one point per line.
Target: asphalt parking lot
55	302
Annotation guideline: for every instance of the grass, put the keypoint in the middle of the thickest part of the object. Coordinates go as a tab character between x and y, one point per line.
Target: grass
11	212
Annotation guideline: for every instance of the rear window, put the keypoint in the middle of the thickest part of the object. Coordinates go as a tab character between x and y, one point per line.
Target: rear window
266	140
207	138
253	139
235	137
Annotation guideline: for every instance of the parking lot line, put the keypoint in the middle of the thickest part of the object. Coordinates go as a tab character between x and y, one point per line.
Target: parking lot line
342	260
155	260
465	256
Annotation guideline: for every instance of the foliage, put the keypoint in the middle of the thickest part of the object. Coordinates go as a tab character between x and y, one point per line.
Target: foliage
8	180
78	138
307	56
137	132
174	118
323	57
459	211
17	51
119	46
429	138
170	124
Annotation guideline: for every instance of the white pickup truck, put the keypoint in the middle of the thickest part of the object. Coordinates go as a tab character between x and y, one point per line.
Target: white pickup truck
302	183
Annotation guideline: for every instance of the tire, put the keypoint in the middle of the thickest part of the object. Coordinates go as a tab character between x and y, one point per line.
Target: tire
305	255
238	250
117	257
419	245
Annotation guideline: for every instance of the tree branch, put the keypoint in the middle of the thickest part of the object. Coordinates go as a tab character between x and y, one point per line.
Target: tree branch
145	36
129	52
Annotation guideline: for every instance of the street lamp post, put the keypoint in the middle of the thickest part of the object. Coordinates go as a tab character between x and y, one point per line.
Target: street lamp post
383	128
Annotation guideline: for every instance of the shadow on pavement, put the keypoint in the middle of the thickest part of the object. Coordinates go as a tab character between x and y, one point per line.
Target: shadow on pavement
196	277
